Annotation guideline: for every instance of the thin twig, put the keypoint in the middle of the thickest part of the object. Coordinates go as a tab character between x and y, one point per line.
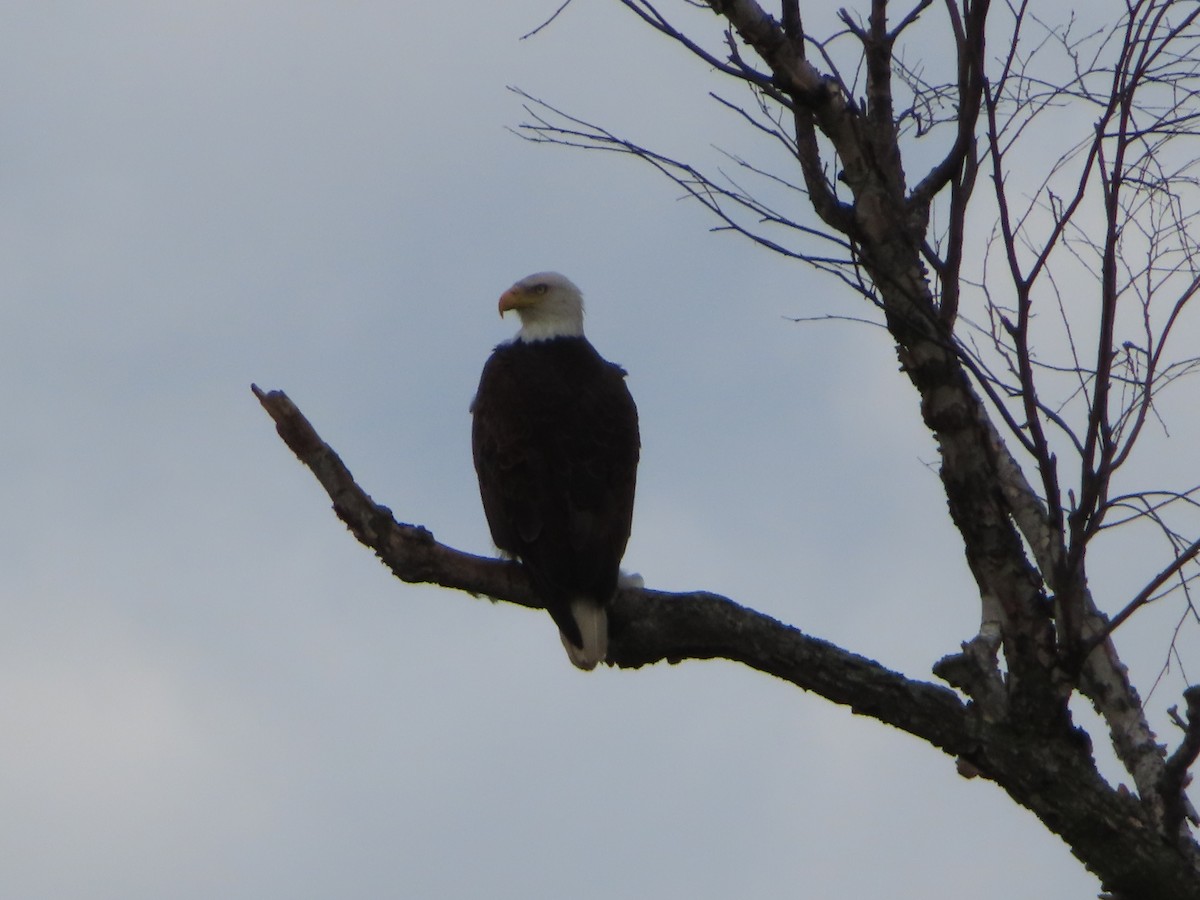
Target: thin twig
554	16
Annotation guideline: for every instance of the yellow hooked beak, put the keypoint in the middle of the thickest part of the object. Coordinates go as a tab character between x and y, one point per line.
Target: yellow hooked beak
514	298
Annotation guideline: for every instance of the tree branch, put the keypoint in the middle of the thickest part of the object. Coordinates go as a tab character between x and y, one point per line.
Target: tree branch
1175	775
1146	594
650	626
645	626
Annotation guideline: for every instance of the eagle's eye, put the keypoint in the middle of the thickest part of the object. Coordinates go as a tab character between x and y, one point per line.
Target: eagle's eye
541	288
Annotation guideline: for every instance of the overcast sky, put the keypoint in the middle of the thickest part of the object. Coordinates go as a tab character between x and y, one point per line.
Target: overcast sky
209	689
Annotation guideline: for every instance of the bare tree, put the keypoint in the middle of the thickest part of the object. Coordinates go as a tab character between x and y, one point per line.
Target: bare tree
1039	349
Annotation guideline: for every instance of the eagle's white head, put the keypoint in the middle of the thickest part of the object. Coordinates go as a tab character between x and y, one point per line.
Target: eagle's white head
549	305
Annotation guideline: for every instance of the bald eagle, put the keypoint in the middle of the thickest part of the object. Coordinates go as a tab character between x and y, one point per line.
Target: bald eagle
555	441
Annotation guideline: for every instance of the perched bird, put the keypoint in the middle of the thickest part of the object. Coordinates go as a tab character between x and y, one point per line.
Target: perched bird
555	441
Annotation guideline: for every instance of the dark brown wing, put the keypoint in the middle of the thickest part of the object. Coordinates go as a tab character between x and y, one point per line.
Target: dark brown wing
555	442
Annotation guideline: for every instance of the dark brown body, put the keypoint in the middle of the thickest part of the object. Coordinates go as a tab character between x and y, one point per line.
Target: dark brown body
556	446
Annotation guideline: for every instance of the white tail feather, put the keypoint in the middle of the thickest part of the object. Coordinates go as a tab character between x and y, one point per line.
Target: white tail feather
592	621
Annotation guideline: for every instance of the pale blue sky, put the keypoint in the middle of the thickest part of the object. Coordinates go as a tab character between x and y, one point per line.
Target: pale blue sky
210	689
